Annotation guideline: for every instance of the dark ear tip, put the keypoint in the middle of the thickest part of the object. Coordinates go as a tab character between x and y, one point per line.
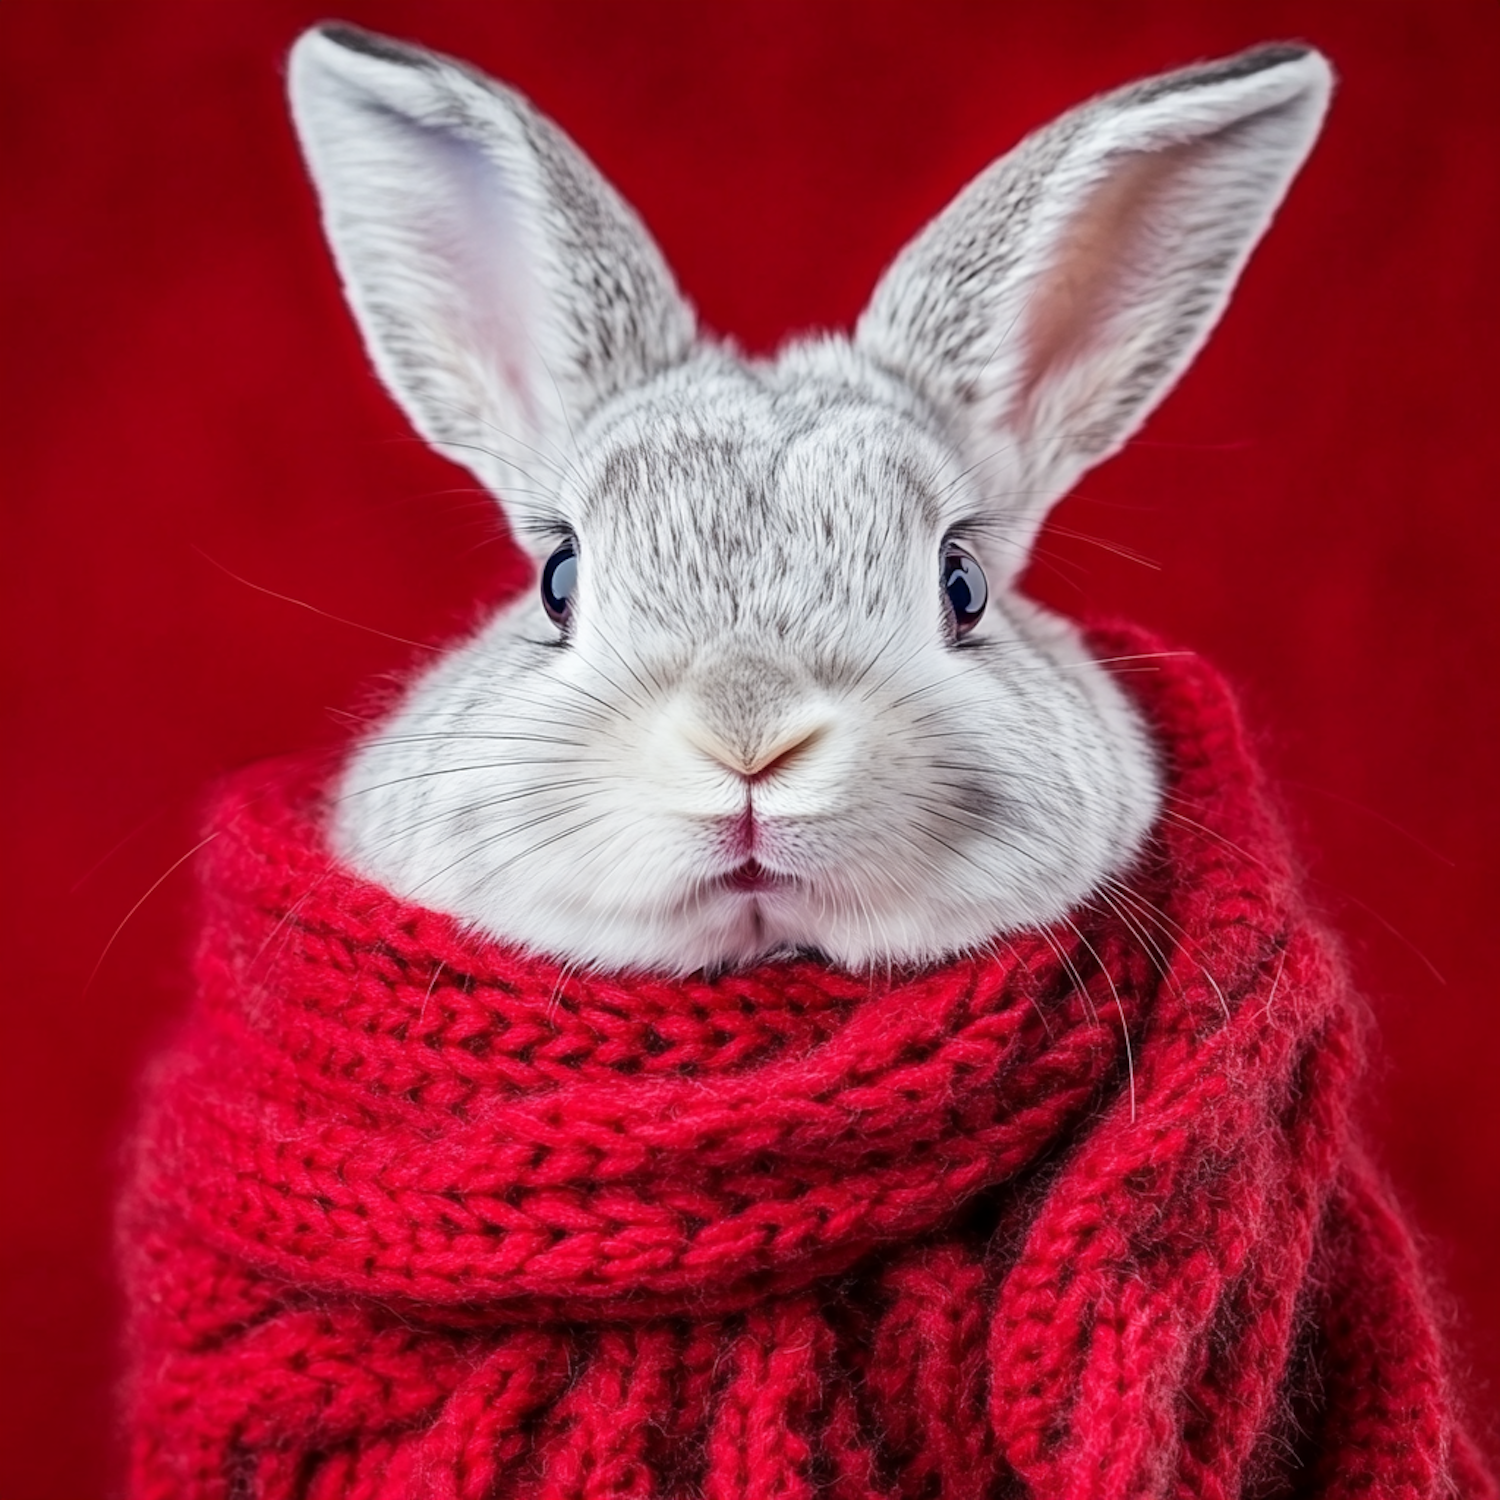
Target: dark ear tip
1270	55
1247	64
368	43
1250	62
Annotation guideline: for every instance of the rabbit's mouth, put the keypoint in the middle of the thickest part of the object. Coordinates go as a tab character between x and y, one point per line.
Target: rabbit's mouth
753	876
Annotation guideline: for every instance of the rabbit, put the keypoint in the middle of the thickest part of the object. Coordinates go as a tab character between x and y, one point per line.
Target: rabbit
776	689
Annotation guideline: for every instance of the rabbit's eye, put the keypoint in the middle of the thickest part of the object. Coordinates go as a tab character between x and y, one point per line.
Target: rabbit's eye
559	579
965	586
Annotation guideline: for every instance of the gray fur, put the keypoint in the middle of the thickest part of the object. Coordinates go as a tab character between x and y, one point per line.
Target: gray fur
759	637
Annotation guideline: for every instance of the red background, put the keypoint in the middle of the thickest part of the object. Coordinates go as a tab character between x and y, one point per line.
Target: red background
185	396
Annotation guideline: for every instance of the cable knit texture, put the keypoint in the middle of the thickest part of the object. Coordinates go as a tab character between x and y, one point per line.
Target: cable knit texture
415	1215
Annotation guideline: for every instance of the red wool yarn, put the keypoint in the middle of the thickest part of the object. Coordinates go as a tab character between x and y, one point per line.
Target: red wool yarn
416	1215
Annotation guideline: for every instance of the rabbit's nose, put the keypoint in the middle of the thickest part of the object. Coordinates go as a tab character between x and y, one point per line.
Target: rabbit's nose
765	759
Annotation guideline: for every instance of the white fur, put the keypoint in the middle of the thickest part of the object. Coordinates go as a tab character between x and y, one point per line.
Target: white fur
759	542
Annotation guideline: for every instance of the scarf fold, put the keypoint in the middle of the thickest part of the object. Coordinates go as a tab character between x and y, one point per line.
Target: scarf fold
415	1215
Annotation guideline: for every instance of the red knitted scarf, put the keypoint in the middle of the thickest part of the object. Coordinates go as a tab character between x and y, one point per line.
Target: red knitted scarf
415	1215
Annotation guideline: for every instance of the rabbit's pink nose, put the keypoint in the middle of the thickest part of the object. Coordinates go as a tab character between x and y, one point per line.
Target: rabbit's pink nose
778	756
763	762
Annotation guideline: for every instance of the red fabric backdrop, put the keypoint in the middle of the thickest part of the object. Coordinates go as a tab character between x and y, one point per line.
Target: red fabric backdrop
187	401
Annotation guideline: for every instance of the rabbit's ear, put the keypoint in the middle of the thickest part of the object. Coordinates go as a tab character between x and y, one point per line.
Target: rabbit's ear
503	288
1050	307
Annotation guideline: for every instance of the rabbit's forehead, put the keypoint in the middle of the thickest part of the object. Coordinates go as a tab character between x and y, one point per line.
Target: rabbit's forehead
756	496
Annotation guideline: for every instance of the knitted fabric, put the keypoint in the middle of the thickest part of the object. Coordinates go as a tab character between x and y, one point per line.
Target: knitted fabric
416	1215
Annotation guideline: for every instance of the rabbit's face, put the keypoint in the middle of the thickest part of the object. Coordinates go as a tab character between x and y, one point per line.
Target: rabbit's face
757	726
775	689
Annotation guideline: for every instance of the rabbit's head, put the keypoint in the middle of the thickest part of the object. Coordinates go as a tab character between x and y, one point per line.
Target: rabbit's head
775	688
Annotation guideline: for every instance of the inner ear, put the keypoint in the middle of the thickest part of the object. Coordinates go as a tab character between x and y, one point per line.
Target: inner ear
1101	257
470	224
